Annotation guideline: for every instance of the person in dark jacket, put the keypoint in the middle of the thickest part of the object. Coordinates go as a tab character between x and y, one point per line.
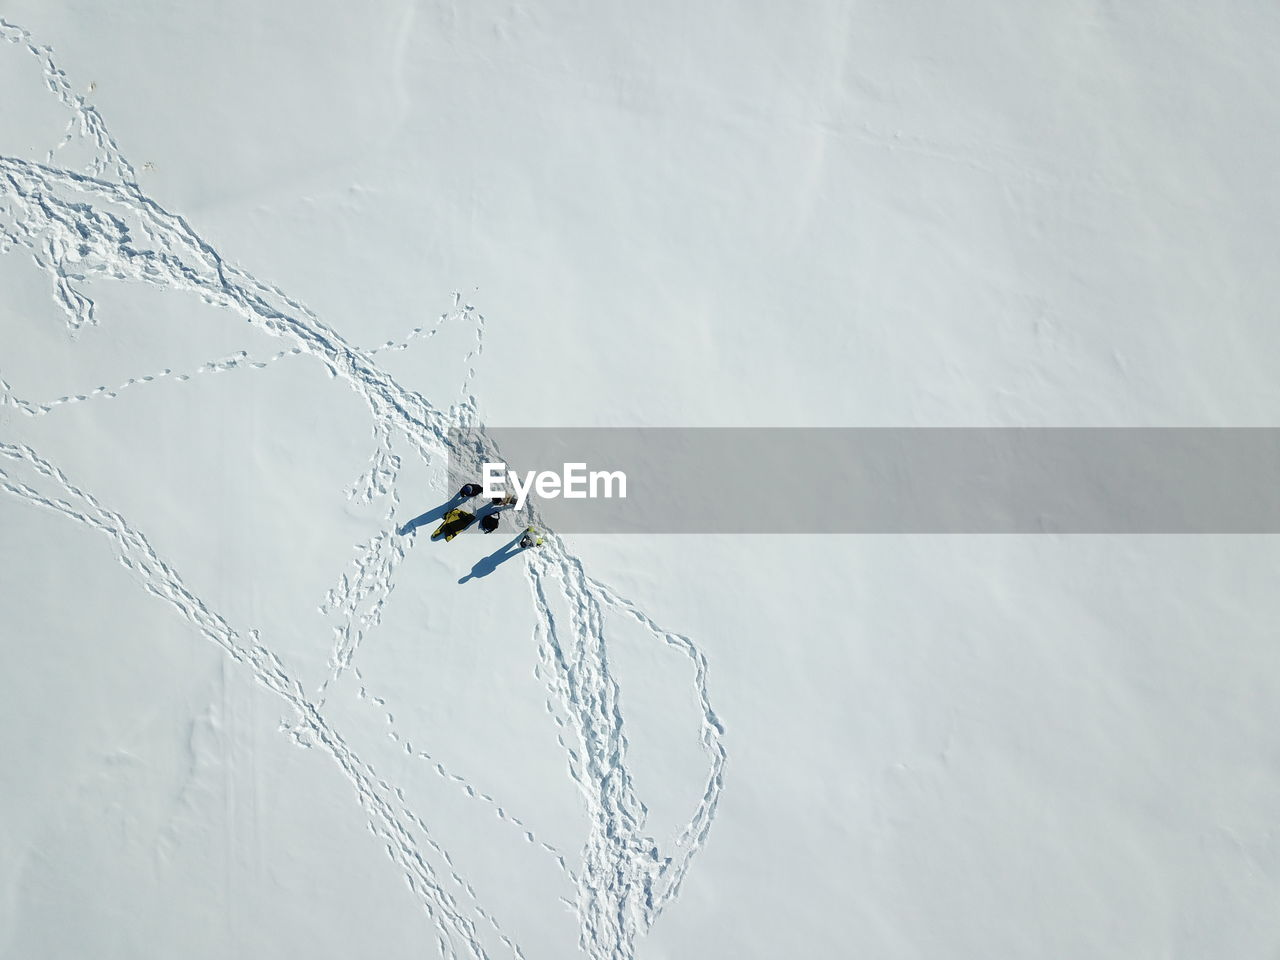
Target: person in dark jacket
489	522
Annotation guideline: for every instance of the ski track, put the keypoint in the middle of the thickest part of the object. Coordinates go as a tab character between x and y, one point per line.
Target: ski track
98	224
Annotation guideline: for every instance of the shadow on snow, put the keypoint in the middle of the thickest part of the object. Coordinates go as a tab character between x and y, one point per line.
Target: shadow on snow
487	565
436	513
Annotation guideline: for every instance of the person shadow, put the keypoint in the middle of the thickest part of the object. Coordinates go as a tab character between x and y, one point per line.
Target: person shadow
486	565
436	513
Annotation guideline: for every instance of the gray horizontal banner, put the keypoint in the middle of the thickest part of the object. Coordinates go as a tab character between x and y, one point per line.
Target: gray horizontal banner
881	480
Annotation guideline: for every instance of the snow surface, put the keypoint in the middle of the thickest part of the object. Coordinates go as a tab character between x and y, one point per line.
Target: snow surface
257	258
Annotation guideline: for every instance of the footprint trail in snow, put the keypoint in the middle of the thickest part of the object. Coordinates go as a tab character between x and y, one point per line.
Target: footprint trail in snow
97	224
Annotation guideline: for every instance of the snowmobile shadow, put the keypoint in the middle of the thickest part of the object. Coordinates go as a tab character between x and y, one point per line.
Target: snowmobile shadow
486	565
430	516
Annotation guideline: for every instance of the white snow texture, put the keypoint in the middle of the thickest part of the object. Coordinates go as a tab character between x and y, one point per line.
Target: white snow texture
257	259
